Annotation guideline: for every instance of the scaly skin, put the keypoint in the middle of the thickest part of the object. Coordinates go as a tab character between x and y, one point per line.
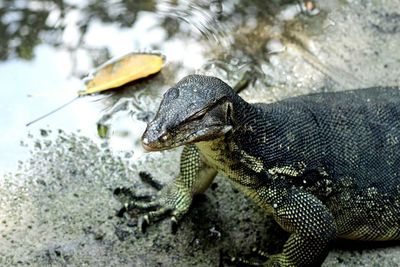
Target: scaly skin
323	165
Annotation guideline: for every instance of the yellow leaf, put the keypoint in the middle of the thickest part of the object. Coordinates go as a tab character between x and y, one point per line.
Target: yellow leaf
120	71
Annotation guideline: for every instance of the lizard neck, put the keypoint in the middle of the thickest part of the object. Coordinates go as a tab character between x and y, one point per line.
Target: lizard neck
225	153
242	112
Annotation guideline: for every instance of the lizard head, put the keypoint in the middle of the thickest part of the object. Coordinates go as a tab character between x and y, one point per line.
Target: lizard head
196	109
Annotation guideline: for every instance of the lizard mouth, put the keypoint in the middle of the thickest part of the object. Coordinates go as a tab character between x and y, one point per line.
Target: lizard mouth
206	134
154	146
148	147
209	133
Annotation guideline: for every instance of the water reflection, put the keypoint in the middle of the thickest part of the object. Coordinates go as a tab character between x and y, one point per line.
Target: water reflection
73	25
70	24
26	24
48	46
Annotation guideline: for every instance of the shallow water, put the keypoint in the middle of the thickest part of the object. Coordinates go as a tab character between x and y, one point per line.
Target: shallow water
49	46
45	61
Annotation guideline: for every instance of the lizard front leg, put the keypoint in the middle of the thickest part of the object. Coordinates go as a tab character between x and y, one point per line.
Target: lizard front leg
308	220
175	198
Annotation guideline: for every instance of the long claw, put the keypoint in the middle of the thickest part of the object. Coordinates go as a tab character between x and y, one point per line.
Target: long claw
178	214
240	261
159	214
176	217
144	205
143	195
260	252
174	225
120	213
128	192
136	205
143	223
148	179
152	216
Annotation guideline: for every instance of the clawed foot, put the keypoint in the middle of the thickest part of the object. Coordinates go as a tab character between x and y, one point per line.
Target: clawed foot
256	258
172	200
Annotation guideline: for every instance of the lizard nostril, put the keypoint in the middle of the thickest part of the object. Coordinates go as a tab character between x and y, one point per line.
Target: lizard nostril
145	140
147	144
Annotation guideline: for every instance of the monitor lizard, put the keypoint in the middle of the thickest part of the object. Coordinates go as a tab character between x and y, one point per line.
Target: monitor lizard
324	165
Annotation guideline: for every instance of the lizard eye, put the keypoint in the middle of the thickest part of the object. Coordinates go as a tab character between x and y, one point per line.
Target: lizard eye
171	94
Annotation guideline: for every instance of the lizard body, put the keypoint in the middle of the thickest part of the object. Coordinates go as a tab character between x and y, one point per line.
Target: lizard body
324	165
